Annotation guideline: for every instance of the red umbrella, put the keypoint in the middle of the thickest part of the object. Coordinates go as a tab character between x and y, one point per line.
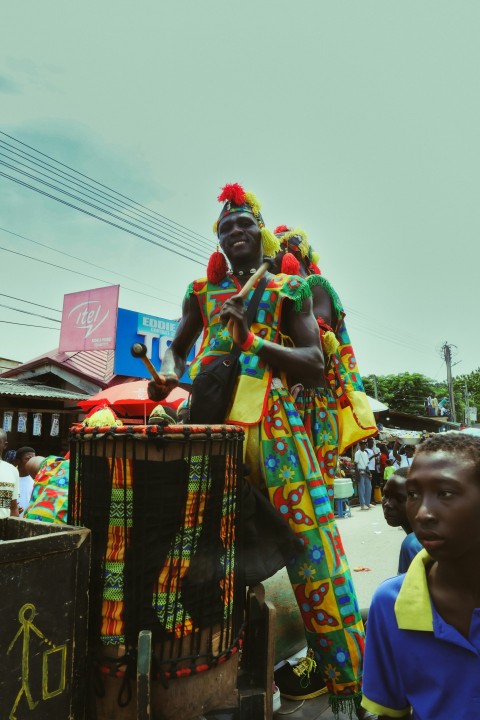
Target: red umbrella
130	399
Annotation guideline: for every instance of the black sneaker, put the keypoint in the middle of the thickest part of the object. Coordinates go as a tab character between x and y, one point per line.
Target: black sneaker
302	682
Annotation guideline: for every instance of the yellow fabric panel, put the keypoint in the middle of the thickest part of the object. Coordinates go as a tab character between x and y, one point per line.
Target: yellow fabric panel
356	421
249	400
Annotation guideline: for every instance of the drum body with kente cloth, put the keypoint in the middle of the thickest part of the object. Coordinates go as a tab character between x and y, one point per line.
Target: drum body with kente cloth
164	509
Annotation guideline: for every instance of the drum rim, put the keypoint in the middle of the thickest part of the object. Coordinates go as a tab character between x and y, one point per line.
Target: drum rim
167	432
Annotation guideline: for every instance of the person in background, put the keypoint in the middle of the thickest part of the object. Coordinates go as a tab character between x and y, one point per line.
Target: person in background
394	510
10	457
435	406
49	499
443	407
383	460
374	457
9	483
22	457
389	470
404	459
428	406
364	480
335	414
391	447
422	659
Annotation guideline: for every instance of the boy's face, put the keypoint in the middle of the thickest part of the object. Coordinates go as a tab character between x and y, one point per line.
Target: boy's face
394	500
443	504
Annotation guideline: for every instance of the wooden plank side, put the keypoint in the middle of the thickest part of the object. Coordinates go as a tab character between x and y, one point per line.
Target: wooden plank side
43	605
39	540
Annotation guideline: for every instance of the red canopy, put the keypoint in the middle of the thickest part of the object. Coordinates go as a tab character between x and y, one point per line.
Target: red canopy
130	399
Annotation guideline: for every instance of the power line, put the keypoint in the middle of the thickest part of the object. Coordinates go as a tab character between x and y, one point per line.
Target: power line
27	312
380	326
144	207
86	212
9	322
173	234
87	262
386	338
96	207
45	307
90	277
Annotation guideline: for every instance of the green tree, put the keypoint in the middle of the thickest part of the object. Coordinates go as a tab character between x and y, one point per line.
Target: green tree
405	392
471	383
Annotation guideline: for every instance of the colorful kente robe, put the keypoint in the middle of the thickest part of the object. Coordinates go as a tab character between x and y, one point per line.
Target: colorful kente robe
167	600
49	499
282	462
337	415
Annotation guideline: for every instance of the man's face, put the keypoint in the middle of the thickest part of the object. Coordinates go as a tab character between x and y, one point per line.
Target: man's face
240	237
22	461
363	446
443	504
394	500
3	443
409	451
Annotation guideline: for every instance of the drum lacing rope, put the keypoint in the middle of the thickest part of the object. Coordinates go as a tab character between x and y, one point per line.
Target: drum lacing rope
165	675
110	666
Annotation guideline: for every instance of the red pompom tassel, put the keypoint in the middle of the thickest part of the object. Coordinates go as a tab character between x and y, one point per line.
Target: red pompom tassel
233	192
217	267
290	265
280	229
315	270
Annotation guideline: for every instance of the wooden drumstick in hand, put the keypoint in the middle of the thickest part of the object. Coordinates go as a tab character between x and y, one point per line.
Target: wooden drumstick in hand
139	350
264	267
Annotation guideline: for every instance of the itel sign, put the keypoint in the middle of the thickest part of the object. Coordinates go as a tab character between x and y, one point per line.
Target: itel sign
89	320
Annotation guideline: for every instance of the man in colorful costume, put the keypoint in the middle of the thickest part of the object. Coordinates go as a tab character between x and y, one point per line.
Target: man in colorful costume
335	414
279	454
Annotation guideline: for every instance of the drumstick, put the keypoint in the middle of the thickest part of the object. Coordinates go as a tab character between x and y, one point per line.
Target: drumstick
266	265
139	350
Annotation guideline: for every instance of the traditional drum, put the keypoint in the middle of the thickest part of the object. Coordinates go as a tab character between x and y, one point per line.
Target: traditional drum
163	506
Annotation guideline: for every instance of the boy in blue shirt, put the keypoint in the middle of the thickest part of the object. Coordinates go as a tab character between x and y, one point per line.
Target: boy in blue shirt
423	642
394	502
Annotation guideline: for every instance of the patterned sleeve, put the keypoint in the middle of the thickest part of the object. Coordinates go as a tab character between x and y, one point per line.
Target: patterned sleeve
321	281
297	290
190	291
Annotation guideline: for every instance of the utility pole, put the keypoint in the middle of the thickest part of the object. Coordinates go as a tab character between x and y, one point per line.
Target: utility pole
375	387
447	354
467	405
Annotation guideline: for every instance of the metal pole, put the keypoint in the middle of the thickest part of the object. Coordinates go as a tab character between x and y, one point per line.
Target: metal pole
467	405
447	354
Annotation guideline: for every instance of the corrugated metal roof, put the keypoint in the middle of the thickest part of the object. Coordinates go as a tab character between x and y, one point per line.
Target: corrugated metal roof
97	365
19	388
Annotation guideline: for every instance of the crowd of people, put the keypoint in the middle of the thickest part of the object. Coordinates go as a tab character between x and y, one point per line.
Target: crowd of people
32	486
374	463
299	397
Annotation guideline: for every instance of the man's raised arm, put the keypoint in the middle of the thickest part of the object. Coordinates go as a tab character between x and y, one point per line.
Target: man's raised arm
175	359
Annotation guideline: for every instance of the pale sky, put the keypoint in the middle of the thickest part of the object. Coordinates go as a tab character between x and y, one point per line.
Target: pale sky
358	121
